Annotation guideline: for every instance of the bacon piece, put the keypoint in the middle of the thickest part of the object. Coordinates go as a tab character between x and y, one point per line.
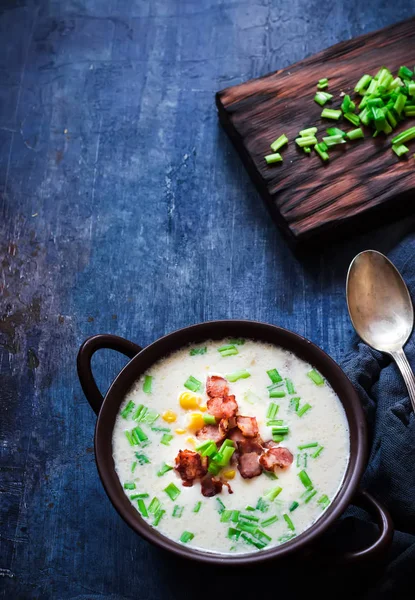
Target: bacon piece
212	432
270	444
250	445
236	435
222	407
211	485
276	458
190	466
216	386
249	465
230	490
248	426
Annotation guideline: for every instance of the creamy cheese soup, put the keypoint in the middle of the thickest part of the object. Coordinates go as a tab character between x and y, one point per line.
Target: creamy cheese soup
236	416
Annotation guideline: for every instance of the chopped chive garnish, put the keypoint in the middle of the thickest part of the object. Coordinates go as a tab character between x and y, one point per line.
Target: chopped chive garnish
331	113
317	452
148	380
166	439
269	521
404	137
150	417
208	450
242	374
278	437
290	386
246	526
139	435
164	469
172	491
154	506
249	507
129	486
142	508
235	516
270	159
289	522
334	140
308	495
195	351
130	438
362	84
275	423
255	543
221	506
133	466
322	84
400	149
301	411
225	516
354	119
262	505
209	419
136	496
308	132
286	538
127	410
142	458
310	445
295	403
157	517
227	444
197	507
192	384
272	410
324	501
279	142
355	134
262	536
166	429
293	506
348	106
233	534
274	376
228	350
305	479
186	537
405	73
274	392
335	131
304	459
322	97
280	430
272	494
321	152
248	517
270	474
222	459
237	341
140	412
177	511
305	142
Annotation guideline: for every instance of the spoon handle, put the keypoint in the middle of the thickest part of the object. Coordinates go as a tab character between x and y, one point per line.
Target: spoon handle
399	357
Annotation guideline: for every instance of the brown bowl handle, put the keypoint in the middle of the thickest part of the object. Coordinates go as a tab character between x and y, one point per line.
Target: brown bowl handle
85	354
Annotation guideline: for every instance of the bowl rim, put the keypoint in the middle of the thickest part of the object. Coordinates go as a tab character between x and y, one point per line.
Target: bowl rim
326	365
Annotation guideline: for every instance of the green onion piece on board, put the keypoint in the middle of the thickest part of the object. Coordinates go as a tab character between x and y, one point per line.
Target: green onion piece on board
242	374
272	494
331	113
400	149
127	410
355	134
322	153
411	89
196	351
305	479
405	73
270	159
192	384
348	106
269	521
315	377
362	84
289	522
409	111
154	506
228	350
166	439
399	104
177	511
305	142
333	140
209	419
354	119
142	508
148	380
158	516
293	506
322	97
197	507
404	137
164	469
279	142
186	537
322	84
335	131
308	132
172	491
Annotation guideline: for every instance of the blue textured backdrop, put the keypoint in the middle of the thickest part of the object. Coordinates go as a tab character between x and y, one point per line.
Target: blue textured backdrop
124	209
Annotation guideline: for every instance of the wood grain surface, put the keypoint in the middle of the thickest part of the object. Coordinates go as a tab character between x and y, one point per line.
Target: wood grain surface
308	198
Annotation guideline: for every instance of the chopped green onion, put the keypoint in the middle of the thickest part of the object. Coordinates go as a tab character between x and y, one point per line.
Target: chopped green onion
308	495
177	511
277	438
227	444
286	538
272	410
324	501
279	142
290	386
322	97
214	468
249	540
305	479
269	521
262	505
242	374
135	496
274	376
272	494
225	516
233	534
280	430
362	84
237	341
209	419
405	136
411	89
246	526
142	508
235	516
355	134
133	466
301	411
221	506
322	84
331	113
248	517
305	142
354	119
197	507
295	403
289	522
129	486
192	384
228	350
293	506
157	517
310	445
405	73
142	458
141	411
172	491
127	410
270	474
138	435
399	104
304	456
316	377
262	536
317	452
166	429
154	506
148	380
164	469
225	457
334	140
308	132
335	131
274	392
186	537
195	351
130	438
271	159
275	423
400	149
151	417
347	105
322	153
166	439
208	448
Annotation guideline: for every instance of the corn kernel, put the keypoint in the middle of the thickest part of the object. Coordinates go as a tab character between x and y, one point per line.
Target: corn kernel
189	401
191	441
229	474
195	422
180	431
169	416
203	408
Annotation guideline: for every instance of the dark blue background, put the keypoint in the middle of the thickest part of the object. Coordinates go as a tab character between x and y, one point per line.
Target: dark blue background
124	209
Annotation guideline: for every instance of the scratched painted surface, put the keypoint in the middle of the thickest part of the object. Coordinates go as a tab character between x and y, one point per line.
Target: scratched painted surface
124	209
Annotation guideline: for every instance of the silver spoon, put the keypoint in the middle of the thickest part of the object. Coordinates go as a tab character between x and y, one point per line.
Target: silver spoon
381	310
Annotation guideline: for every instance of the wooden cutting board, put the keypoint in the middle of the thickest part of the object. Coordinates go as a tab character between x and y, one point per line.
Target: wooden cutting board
364	183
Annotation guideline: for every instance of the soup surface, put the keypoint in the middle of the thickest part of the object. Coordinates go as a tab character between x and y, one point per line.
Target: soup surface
182	443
